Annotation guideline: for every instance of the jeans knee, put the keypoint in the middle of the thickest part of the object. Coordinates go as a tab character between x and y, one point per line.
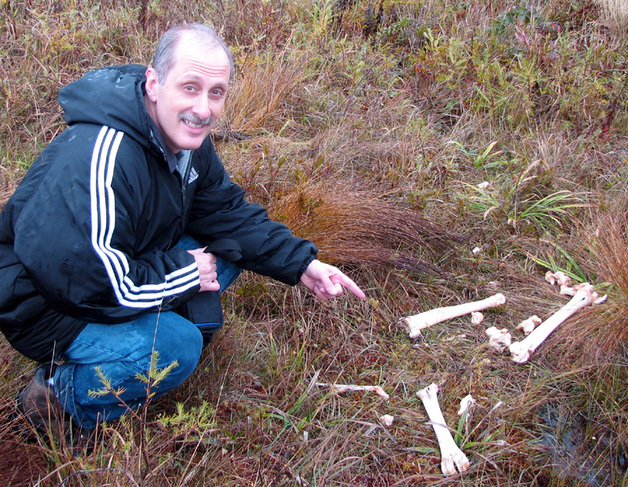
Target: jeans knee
182	345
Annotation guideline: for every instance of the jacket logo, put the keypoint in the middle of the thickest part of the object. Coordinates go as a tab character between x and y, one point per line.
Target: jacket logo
193	176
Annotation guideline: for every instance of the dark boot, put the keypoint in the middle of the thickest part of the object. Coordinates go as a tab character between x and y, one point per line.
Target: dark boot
40	406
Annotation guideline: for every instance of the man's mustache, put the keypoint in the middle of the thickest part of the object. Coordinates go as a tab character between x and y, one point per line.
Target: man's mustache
189	117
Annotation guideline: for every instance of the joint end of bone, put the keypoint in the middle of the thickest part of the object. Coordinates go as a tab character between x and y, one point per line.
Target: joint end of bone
518	353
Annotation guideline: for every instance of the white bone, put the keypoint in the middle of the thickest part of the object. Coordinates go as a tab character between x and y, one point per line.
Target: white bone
530	324
387	420
558	278
417	322
477	318
567	290
500	340
452	457
339	388
561	279
466	404
521	351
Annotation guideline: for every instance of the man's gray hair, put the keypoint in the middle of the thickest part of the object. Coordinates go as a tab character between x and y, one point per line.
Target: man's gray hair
167	45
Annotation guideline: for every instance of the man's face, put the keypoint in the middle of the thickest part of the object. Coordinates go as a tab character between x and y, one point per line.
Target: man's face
191	97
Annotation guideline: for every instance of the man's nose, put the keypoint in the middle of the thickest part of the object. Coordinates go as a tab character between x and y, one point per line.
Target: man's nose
202	108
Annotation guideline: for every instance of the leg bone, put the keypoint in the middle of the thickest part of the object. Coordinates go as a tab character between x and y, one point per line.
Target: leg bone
521	351
452	457
416	323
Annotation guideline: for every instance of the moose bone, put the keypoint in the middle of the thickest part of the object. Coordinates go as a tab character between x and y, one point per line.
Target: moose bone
387	420
477	317
499	340
452	457
527	326
417	322
339	388
558	278
466	404
561	279
584	296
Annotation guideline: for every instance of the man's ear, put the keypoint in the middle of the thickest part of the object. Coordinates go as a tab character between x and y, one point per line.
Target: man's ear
152	80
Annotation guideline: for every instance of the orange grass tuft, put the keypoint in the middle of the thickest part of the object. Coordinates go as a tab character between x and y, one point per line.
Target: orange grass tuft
363	228
601	332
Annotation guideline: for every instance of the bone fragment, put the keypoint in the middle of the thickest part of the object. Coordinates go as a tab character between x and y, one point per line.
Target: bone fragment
561	279
585	295
499	340
417	322
477	318
530	324
340	388
567	290
387	420
452	457
558	278
466	404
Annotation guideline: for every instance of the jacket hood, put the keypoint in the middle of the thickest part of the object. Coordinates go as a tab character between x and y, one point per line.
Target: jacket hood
112	96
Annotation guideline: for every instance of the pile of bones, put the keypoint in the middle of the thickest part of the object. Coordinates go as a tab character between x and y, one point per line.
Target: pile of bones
453	458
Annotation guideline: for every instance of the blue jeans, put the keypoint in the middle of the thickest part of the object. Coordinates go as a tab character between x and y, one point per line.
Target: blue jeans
122	351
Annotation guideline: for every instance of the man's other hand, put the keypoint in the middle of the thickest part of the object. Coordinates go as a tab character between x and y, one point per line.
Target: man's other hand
206	264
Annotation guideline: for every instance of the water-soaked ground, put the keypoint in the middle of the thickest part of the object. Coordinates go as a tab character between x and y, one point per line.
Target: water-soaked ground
579	453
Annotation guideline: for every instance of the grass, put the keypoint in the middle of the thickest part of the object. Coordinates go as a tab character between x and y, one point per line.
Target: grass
368	127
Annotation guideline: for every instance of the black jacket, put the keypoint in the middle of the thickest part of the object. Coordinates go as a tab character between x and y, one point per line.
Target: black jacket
88	235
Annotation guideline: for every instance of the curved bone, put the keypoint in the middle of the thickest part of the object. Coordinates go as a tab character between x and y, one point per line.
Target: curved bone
339	388
500	340
452	457
417	322
585	295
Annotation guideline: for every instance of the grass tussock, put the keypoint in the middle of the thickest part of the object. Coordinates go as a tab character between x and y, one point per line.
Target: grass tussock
602	333
440	151
363	228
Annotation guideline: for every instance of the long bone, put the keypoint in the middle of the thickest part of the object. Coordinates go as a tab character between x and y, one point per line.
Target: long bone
417	322
452	457
584	296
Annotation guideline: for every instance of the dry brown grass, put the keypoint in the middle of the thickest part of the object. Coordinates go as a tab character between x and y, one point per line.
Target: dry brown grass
363	228
601	332
616	13
254	110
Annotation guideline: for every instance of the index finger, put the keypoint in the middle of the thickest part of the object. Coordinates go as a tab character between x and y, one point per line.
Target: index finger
348	283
